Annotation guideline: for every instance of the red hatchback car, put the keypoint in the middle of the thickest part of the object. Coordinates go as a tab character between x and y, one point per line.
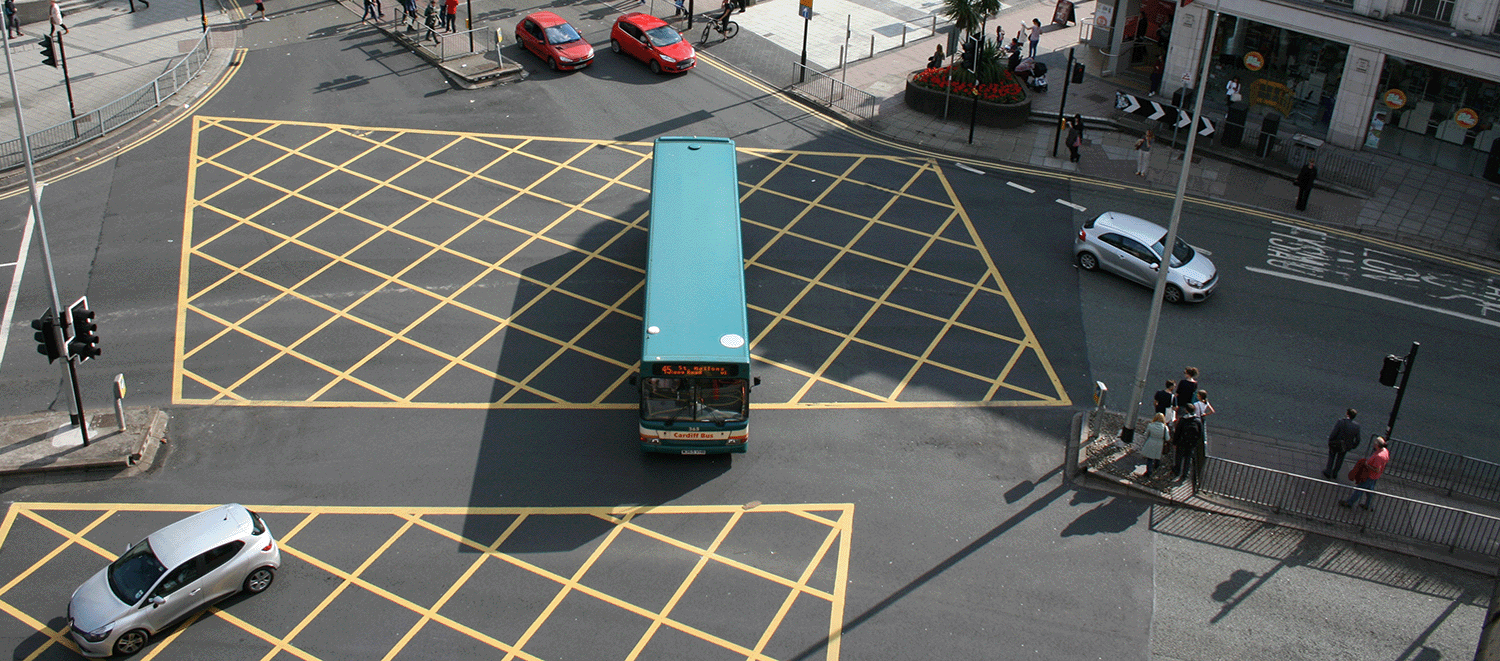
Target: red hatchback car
551	38
650	40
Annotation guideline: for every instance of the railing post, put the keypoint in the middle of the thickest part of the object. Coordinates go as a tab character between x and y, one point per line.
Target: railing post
903	34
872	45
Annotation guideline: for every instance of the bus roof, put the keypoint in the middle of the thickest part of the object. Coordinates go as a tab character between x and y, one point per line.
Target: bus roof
695	283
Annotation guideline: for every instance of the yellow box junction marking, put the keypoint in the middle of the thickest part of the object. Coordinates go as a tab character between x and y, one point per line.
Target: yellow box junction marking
828	557
275	210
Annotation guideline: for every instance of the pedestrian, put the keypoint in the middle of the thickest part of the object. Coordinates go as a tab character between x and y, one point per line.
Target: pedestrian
1015	56
679	9
1143	153
1305	180
1034	36
1184	394
1157	70
54	14
1155	443
432	16
936	61
1366	471
1343	438
1075	137
999	35
372	11
451	14
12	24
410	7
260	8
1187	438
1162	401
1232	91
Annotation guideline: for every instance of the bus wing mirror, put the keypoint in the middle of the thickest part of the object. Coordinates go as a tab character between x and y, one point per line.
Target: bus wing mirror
755	381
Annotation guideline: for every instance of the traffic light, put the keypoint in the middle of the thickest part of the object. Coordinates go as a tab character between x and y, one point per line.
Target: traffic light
1078	69
970	55
85	344
49	55
1390	370
46	336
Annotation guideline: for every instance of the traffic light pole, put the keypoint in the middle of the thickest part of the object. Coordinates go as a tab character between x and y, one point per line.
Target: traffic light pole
62	56
35	194
1401	389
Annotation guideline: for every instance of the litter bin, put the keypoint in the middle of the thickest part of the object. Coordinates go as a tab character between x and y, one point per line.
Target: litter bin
1492	166
1234	126
1268	127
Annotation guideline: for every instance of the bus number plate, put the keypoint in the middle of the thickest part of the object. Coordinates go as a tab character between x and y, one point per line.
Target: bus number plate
694	452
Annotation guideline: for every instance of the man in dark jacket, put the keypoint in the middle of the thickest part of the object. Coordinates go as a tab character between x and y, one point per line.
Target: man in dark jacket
1343	438
1305	180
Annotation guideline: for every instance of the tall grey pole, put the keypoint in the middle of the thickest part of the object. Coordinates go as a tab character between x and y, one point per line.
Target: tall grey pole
41	231
1148	343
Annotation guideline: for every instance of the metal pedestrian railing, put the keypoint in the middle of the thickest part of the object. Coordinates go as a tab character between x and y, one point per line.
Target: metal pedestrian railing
446	46
1445	470
98	123
1335	164
1456	529
835	93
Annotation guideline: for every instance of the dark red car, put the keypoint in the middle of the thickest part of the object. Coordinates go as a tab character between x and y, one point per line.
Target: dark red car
551	38
650	40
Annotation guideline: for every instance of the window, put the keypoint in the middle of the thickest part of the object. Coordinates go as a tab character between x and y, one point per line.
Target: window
187	573
217	557
1437	10
135	572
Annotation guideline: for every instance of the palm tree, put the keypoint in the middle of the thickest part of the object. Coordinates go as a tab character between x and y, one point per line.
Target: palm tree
970	16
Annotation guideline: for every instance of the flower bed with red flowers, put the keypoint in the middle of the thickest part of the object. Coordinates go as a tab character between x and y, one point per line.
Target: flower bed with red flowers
1005	91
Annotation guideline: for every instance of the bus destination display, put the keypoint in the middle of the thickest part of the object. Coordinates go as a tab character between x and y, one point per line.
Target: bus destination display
695	369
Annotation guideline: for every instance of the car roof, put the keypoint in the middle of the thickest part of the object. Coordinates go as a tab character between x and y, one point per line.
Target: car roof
1138	228
643	21
176	543
546	19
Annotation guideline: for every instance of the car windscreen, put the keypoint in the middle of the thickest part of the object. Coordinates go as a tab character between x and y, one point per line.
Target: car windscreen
562	34
663	36
1182	255
133	574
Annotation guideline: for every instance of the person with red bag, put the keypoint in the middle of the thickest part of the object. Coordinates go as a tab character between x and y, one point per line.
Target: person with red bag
1366	471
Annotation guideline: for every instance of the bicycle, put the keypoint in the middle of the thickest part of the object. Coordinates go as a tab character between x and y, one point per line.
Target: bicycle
729	29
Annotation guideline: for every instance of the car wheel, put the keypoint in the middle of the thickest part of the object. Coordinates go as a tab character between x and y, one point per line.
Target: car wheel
1173	295
131	641
1088	261
259	580
655	66
614	45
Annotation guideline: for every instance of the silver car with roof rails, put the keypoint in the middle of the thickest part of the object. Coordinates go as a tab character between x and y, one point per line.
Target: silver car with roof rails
169	575
1131	248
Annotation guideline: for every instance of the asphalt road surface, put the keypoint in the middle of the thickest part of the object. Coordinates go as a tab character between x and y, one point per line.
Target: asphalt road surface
314	281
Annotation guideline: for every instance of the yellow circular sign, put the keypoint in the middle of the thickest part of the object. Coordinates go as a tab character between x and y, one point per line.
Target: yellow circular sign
1466	117
1394	98
1254	61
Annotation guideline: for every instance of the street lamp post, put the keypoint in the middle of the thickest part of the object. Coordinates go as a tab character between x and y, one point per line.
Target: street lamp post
1148	343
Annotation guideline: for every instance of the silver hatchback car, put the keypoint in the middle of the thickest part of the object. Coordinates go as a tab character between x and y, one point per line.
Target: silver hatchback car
1131	248
171	574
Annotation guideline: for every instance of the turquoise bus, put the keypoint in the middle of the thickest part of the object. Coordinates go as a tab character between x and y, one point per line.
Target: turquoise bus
695	355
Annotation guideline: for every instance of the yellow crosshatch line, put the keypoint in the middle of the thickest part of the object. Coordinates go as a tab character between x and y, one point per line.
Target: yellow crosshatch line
194	365
837	518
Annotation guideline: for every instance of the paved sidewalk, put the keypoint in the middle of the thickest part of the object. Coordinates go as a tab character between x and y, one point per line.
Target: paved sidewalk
110	53
1415	203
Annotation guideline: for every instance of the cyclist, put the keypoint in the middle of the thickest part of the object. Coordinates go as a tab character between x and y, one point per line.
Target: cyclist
723	20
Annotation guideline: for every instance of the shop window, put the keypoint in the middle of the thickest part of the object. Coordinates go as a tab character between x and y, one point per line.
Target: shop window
1437	10
1341	3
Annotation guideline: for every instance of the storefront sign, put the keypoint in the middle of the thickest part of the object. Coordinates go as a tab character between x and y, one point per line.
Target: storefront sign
1466	118
1394	98
1254	61
1104	15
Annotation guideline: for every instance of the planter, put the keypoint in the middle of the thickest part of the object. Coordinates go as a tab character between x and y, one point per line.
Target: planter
998	115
